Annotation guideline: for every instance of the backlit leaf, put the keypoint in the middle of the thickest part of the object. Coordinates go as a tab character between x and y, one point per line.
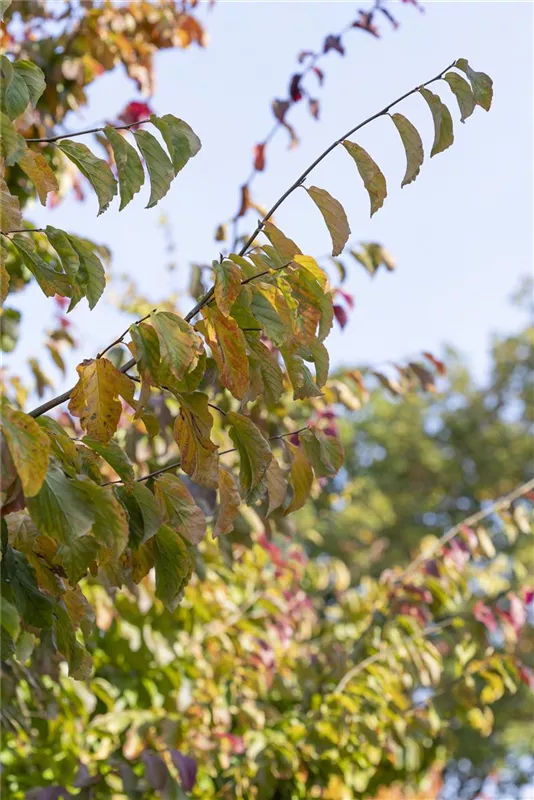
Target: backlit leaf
276	486
36	168
227	284
334	217
174	566
12	144
370	173
177	135
285	247
254	452
228	346
10	216
463	93
413	146
481	83
229	502
324	452
271	374
95	398
15	96
192	430
159	166
443	131
33	77
299	375
29	447
179	508
96	170
129	167
144	515
91	277
179	344
50	280
300	478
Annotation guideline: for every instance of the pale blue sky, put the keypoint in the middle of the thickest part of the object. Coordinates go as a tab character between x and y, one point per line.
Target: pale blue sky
461	234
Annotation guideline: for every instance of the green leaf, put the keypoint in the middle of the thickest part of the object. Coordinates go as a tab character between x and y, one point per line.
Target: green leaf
70	261
4	278
268	317
463	93
174	566
300	478
34	78
370	173
443	131
51	281
129	167
334	217
160	169
77	657
91	276
76	557
413	146
116	457
229	502
15	96
96	170
144	516
179	508
12	144
324	452
318	354
9	618
192	431
481	83
95	398
227	284
182	143
36	168
276	486
29	447
254	452
179	344
271	374
110	527
299	375
61	510
19	578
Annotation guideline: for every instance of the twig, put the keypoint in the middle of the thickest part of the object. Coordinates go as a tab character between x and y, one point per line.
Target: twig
300	180
23	230
467	522
51	139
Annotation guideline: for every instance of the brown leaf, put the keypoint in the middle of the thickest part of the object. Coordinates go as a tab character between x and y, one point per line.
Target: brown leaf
313	106
334	217
333	43
192	431
95	398
245	201
229	502
259	157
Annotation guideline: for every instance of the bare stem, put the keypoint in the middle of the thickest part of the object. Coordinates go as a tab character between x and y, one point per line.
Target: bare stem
51	139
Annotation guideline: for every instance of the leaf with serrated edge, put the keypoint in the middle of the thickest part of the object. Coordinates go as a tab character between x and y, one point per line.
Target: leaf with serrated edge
95	398
481	83
276	486
228	346
370	173
91	276
160	168
254	452
334	216
300	478
443	130
181	511
227	284
29	447
129	167
96	170
413	147
229	502
174	566
463	93
176	139
36	168
192	429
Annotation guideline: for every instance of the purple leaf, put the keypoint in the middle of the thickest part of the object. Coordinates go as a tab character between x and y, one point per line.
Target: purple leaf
187	769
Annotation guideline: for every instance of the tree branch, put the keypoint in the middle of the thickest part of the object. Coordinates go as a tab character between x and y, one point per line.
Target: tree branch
300	180
51	139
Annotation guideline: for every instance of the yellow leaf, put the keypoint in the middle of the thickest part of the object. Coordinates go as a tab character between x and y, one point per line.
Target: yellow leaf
412	145
334	217
300	478
179	345
227	284
29	448
443	132
94	399
370	173
229	502
285	247
192	429
36	168
228	346
276	486
181	511
4	276
10	216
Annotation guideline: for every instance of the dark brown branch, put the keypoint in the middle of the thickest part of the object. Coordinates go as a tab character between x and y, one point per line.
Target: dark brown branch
300	180
51	139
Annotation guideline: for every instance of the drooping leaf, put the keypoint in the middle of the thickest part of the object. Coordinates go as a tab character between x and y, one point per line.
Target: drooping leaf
4	277
463	93
192	431
227	284
90	277
160	168
229	502
129	167
10	216
4	5
228	346
96	170
413	146
285	247
324	452
15	96
33	76
50	280
9	618
110	526
179	344
144	515
95	398
334	216
254	452
299	375
29	447
116	457
271	374
276	486
180	510
60	509
443	131
300	478
179	138
18	575
481	83
370	173
187	769
36	168
12	144
179	126
76	557
174	566
318	354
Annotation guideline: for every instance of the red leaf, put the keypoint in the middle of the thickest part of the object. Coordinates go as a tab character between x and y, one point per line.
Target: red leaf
313	105
134	112
259	157
529	596
333	43
319	73
348	298
304	54
439	365
485	615
365	22
295	91
62	302
526	675
341	316
516	615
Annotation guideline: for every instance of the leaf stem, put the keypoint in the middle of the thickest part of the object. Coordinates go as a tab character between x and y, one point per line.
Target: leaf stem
51	139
